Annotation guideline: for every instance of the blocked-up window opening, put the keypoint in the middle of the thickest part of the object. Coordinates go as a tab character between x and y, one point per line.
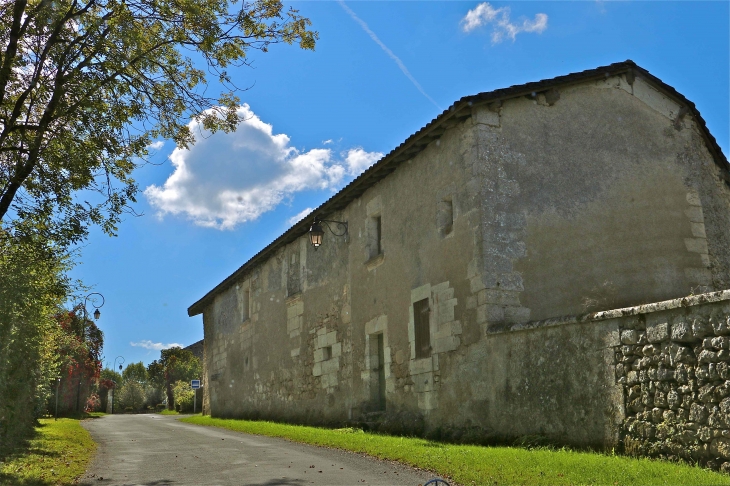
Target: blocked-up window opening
421	328
246	304
293	280
375	236
445	216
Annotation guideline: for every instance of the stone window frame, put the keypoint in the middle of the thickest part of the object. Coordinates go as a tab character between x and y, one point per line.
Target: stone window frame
378	325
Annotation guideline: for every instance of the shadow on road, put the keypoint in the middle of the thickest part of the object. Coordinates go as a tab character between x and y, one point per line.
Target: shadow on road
279	482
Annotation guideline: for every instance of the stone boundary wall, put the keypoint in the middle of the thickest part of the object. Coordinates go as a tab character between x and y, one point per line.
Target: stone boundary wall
672	360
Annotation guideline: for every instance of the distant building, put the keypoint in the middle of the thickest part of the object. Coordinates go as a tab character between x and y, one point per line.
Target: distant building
466	297
196	349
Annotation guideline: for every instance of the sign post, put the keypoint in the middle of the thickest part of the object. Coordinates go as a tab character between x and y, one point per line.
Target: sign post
195	384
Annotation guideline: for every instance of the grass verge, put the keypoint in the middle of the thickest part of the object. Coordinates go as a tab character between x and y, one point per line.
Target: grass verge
480	465
169	412
57	454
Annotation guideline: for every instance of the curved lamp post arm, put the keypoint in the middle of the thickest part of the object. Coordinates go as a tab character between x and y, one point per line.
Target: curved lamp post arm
342	225
90	298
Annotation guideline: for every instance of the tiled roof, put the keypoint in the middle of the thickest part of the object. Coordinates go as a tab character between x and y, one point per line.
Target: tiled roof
456	113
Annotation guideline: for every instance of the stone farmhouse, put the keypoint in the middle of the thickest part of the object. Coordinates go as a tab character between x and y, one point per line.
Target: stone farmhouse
546	259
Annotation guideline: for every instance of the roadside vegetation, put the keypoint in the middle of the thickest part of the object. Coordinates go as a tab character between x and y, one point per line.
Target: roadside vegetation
479	465
85	89
164	385
57	454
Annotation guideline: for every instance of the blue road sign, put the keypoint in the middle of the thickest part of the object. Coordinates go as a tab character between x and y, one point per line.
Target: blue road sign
195	384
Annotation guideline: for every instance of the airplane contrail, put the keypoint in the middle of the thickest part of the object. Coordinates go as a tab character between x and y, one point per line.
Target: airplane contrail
388	52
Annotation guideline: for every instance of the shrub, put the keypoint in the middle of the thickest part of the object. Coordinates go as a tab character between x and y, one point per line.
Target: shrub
131	395
184	396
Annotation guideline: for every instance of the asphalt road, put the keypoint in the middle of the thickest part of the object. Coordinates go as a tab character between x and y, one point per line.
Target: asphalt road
158	450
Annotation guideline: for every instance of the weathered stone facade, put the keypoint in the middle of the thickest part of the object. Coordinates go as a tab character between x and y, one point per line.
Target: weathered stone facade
438	312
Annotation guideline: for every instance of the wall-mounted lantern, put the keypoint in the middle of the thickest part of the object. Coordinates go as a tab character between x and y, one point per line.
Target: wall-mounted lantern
316	232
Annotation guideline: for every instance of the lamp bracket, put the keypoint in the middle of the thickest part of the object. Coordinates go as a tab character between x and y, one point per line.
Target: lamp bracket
341	225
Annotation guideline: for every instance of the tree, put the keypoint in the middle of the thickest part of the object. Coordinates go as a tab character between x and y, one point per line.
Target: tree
135	372
131	395
32	287
78	347
86	85
175	364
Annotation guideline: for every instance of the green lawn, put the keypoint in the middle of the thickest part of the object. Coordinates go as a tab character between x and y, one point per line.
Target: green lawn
169	412
57	455
486	465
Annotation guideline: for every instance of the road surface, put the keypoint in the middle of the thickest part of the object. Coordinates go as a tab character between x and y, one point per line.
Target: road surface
157	450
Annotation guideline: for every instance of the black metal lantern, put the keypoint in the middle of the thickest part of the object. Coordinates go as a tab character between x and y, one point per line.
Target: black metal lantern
97	314
315	234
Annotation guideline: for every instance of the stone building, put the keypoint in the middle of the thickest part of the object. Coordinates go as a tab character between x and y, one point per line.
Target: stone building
472	295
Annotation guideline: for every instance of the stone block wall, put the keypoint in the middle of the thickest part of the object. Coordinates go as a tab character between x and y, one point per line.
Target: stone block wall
673	362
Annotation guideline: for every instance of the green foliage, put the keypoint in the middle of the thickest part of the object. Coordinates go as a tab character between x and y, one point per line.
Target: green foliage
175	364
32	286
485	465
135	372
153	396
58	454
131	395
86	86
78	348
184	396
111	375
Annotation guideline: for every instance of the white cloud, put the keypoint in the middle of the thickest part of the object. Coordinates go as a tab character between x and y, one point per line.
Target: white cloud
230	178
156	145
147	344
485	14
299	216
358	160
327	142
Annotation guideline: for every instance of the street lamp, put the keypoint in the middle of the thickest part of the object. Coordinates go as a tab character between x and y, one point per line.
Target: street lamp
97	312
316	232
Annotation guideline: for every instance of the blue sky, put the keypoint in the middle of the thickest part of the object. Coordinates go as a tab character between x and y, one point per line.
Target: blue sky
381	70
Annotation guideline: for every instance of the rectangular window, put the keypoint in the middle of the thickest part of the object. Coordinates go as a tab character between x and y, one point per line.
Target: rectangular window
422	328
326	353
